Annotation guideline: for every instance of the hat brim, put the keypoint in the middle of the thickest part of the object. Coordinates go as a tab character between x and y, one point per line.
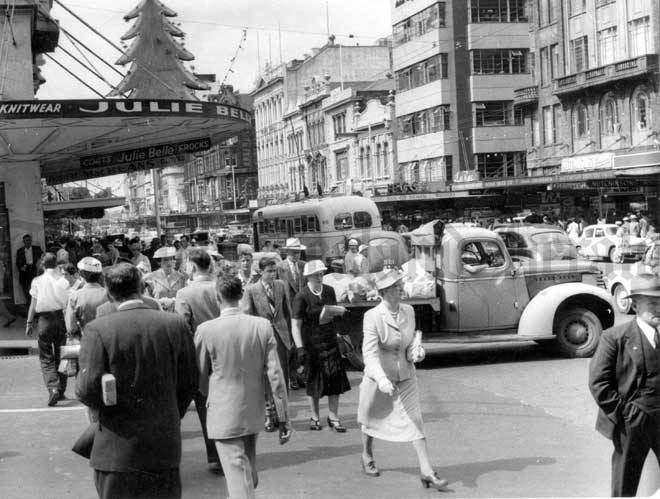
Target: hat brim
388	282
654	293
302	247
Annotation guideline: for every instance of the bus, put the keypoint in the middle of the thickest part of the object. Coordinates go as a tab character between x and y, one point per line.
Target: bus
321	224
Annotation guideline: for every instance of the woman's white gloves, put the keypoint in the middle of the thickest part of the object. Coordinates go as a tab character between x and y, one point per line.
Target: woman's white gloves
386	386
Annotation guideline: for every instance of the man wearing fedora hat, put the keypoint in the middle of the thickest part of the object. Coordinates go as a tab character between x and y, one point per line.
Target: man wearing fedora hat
291	272
624	378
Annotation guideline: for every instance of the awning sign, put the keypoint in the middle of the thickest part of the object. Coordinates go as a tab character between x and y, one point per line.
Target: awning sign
144	154
588	162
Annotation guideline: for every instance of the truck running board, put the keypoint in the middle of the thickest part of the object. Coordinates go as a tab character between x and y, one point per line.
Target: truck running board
480	338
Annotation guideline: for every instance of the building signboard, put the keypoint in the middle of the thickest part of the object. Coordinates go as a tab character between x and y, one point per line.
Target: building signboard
637	160
466	176
144	154
587	162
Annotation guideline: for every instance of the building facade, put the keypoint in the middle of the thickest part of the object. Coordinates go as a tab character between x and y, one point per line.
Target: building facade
290	119
592	115
456	66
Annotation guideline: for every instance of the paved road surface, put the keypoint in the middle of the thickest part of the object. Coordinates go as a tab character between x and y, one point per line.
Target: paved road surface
502	421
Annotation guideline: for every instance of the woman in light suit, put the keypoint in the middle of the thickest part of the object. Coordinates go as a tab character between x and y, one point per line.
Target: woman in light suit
389	406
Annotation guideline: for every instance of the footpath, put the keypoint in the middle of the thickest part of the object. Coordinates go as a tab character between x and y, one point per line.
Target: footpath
13	340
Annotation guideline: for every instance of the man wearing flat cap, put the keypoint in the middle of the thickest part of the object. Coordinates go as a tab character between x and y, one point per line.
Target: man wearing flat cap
83	302
624	378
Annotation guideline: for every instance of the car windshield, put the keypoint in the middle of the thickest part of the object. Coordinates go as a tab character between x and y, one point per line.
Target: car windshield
554	245
611	231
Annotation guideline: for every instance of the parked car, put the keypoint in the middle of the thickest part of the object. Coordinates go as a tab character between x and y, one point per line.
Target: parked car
601	241
618	281
536	242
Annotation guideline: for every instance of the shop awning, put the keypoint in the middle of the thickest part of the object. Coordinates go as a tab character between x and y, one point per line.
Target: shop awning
79	139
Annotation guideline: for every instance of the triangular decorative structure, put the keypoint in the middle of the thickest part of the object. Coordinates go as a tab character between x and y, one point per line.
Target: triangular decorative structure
156	71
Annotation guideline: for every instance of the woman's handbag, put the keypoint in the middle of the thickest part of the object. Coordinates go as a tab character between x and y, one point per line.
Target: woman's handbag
85	442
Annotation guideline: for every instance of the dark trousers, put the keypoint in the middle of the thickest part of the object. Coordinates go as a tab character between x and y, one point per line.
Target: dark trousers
51	334
25	281
129	485
631	446
200	405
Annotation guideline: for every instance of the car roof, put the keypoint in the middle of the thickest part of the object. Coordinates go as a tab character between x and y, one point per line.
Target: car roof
601	225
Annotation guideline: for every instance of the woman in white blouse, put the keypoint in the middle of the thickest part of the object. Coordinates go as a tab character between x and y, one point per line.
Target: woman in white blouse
389	406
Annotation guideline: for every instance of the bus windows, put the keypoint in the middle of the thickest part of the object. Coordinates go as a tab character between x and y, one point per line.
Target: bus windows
303	221
282	226
271	227
312	224
260	227
362	220
296	225
343	221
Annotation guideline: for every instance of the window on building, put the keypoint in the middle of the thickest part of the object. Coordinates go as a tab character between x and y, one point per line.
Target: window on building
548	126
429	70
547	12
639	37
341	163
577	6
339	123
496	113
497	11
579	54
609	116
554	61
427	121
580	121
535	132
545	66
431	18
641	110
499	61
500	164
607	45
367	155
386	159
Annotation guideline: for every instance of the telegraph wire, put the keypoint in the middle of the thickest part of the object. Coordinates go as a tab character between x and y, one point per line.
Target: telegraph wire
74	75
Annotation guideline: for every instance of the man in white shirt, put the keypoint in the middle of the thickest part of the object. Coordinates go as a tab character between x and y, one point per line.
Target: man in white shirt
50	292
624	379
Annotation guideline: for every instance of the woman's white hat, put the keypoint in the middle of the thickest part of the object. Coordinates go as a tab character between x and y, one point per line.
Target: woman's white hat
165	252
90	264
388	278
314	267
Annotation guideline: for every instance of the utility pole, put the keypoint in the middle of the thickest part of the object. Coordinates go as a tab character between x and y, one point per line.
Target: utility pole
156	181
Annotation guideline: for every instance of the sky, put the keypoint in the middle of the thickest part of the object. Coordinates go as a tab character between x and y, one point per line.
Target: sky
276	30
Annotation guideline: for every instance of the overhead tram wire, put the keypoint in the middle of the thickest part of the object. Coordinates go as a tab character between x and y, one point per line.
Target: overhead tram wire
4	46
93	71
72	37
74	75
113	45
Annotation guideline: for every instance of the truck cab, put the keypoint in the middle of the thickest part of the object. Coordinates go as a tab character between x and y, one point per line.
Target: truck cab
483	292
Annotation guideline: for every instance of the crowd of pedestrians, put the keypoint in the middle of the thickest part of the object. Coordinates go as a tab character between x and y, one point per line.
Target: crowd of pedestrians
177	324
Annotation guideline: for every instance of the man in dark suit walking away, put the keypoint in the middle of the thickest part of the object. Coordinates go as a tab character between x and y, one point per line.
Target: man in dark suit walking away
27	259
269	299
137	445
624	379
198	303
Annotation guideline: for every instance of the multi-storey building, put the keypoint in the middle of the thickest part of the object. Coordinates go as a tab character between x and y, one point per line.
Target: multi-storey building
456	66
593	112
290	120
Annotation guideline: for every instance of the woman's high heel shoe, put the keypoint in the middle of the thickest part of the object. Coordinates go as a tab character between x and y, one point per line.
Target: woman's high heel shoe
433	481
314	424
369	468
336	425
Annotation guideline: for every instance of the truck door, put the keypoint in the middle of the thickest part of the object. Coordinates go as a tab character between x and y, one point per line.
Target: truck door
490	294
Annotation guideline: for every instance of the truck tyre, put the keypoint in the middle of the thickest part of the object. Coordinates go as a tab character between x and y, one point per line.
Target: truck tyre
578	331
623	304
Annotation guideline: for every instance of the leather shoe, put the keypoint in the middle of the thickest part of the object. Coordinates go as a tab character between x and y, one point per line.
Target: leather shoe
269	424
433	481
53	398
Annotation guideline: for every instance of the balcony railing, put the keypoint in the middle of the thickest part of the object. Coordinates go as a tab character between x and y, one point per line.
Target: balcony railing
526	95
602	75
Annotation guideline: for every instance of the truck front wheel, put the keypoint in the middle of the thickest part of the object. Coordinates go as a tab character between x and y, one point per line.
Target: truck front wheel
578	331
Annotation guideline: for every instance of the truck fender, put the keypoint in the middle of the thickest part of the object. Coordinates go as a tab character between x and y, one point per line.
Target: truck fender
538	318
